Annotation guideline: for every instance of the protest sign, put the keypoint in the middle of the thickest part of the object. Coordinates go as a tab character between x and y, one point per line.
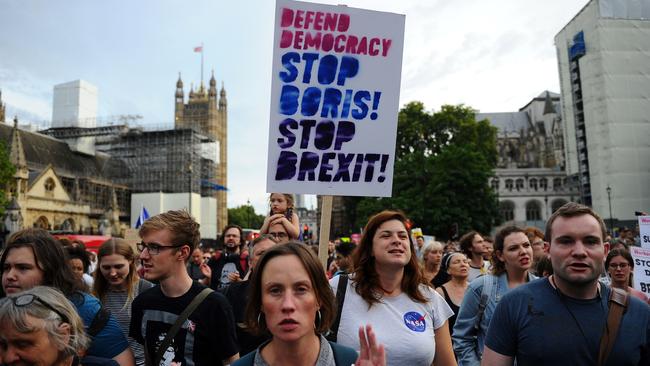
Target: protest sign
644	231
641	257
334	99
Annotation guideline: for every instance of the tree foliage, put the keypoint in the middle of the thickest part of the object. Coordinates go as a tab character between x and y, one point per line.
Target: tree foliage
245	217
443	164
7	171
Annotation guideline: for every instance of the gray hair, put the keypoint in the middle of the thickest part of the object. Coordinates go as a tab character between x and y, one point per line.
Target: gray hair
16	317
261	238
434	245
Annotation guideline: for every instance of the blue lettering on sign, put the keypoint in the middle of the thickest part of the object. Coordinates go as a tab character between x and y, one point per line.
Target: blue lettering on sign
414	321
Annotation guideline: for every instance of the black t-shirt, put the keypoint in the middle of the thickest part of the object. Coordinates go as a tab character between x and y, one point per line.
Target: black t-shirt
206	338
237	295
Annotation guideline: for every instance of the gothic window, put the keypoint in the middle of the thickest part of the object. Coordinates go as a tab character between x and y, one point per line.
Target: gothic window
42	223
543	184
533	184
557	184
49	185
533	211
495	184
507	210
520	184
509	184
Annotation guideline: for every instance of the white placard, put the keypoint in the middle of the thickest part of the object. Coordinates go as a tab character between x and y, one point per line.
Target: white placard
334	99
641	257
644	231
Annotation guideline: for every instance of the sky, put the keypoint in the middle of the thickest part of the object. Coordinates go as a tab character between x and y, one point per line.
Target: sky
494	56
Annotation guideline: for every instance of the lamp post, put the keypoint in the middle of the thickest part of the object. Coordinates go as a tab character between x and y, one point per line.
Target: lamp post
248	213
189	183
609	199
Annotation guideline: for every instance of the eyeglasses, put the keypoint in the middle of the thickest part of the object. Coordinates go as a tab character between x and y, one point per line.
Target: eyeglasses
28	299
154	248
279	235
619	265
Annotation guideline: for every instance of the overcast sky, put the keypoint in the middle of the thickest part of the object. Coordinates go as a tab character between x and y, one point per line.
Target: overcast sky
491	55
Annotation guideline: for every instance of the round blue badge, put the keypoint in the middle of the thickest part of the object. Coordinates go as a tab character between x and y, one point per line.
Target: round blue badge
414	321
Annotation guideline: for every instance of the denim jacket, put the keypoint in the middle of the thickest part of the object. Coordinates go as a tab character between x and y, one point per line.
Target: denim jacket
468	343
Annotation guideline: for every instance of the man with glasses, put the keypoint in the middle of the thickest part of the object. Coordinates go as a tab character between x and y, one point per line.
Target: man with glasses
207	337
228	265
560	320
279	233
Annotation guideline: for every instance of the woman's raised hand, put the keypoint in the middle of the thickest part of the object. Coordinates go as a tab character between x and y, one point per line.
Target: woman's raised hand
370	353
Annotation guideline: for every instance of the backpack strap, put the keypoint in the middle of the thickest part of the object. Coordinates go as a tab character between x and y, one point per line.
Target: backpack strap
618	299
486	291
340	298
198	299
343	356
99	321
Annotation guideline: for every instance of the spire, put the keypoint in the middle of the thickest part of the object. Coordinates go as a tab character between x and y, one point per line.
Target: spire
212	93
179	89
17	153
222	100
548	104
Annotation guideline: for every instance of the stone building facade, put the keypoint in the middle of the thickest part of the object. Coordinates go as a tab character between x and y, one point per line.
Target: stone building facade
56	188
208	114
530	178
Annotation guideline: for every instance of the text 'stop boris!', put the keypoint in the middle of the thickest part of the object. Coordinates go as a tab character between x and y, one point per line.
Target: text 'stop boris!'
334	99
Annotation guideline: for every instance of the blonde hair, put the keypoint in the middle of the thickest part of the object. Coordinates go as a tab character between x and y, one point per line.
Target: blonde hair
16	317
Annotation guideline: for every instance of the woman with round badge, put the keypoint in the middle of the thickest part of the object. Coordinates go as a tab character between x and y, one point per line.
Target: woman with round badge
289	299
387	290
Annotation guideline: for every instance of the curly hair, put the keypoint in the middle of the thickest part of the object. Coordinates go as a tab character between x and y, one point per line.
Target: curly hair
365	276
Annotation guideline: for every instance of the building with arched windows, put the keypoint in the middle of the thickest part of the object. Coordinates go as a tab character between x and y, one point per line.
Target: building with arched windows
530	178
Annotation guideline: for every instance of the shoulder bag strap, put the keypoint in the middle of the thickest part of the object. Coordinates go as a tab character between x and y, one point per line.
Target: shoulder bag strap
99	321
617	304
340	298
179	322
486	291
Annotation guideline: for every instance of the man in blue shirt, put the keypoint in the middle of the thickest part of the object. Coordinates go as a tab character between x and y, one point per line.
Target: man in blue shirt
560	320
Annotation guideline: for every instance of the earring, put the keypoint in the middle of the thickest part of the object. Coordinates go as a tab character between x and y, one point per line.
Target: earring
317	324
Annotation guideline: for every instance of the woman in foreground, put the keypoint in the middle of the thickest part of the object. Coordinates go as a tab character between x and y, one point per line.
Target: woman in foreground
289	298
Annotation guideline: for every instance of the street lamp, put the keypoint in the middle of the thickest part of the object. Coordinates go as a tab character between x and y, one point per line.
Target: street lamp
609	199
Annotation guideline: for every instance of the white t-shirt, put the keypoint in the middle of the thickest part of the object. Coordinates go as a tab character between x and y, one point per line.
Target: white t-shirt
476	272
403	326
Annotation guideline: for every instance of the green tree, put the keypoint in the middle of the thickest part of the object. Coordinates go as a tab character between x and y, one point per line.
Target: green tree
245	217
443	163
7	171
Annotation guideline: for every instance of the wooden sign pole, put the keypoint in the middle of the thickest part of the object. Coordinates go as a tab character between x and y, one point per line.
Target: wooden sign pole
324	236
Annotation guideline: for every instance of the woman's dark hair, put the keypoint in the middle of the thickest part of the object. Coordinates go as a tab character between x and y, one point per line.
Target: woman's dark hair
50	258
465	243
324	295
623	253
366	278
499	266
81	254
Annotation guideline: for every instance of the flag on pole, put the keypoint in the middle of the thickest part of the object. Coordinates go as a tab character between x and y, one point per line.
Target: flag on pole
144	215
198	49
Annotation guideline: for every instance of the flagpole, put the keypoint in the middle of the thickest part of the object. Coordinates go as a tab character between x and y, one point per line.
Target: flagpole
201	62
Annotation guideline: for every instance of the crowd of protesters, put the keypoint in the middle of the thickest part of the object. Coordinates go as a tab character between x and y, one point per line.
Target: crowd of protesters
528	296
